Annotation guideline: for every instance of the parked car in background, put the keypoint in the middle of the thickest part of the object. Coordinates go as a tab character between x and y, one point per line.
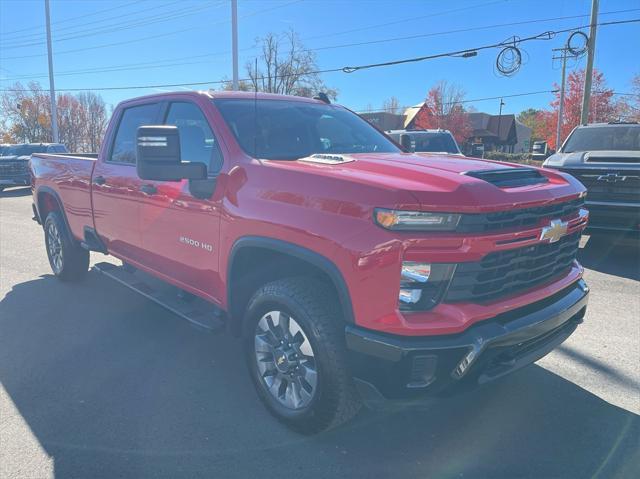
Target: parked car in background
14	161
606	159
540	150
426	141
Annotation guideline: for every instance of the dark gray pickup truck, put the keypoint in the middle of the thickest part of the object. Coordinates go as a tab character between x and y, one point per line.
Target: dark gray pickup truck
14	161
605	157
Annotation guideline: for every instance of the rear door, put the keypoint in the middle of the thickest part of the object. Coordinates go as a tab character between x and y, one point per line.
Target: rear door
116	186
179	231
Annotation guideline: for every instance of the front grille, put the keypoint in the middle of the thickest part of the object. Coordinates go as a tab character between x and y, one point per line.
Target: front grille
14	168
508	272
518	218
609	185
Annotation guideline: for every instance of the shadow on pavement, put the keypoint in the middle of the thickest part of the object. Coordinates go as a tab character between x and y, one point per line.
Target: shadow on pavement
15	192
612	255
113	386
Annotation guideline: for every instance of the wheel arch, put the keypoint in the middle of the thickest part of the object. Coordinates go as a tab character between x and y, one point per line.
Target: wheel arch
48	200
287	255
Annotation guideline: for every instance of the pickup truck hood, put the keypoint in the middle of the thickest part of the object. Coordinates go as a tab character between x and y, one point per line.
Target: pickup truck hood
439	182
627	159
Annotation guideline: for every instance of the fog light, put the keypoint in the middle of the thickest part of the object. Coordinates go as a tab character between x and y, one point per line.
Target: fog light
423	371
410	296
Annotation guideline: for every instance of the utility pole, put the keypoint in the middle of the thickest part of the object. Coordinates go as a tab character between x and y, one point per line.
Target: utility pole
561	106
234	42
500	119
591	50
52	88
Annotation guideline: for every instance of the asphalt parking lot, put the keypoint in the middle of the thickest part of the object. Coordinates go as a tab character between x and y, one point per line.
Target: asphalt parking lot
96	381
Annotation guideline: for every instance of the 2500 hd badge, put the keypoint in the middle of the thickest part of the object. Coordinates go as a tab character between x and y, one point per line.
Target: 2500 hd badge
197	244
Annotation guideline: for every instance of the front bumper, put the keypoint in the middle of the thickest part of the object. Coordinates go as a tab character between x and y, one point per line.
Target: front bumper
613	217
18	180
396	367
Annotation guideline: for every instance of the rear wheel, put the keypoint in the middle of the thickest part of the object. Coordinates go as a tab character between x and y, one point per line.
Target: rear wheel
294	345
68	260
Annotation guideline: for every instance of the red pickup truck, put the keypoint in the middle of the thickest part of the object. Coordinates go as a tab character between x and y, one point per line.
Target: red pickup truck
351	269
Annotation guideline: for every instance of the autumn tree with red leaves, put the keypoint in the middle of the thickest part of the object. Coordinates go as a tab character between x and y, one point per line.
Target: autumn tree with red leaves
443	108
602	108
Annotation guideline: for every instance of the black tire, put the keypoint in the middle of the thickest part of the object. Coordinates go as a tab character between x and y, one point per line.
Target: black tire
68	260
334	400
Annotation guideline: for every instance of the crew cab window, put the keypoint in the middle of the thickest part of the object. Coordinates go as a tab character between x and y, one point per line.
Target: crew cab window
124	144
197	142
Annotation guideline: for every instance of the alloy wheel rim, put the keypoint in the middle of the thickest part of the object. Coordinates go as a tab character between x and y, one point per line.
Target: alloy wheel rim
285	359
54	243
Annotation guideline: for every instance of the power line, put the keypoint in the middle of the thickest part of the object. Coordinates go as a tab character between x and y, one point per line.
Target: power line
38	35
153	37
75	18
488	98
132	23
474	100
180	60
404	20
542	36
548	35
461	30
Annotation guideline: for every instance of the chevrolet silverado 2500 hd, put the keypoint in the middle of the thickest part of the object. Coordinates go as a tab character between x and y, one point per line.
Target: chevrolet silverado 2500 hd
350	268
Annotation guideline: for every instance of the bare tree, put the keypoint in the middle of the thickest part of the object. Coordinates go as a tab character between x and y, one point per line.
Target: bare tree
96	120
71	122
392	105
25	116
286	67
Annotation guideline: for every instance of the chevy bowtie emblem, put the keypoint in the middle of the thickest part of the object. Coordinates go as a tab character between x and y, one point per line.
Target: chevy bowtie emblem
611	177
556	230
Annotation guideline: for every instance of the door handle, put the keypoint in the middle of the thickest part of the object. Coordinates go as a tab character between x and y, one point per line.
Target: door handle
149	189
99	180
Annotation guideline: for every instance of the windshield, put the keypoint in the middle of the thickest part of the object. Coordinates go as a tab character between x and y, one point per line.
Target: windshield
289	130
435	142
23	150
622	137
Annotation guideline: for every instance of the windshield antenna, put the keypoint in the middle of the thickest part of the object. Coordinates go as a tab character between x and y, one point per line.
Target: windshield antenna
255	112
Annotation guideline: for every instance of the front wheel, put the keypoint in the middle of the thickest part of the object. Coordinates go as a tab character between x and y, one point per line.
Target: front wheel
68	260
295	350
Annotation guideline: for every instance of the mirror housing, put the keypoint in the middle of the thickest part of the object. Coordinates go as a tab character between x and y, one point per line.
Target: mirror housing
405	142
158	156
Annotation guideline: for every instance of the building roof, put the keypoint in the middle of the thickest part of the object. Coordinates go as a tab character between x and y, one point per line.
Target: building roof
500	127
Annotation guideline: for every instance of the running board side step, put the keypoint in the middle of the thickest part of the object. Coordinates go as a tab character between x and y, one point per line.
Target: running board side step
200	313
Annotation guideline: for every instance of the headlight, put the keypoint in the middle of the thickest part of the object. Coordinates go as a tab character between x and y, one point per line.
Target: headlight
422	285
415	220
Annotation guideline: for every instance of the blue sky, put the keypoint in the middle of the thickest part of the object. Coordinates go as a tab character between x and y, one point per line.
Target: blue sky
150	42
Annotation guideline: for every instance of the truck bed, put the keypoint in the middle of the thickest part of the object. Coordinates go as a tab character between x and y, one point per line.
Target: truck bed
68	179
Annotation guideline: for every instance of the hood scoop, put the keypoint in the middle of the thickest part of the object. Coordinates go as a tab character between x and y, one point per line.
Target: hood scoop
327	159
509	177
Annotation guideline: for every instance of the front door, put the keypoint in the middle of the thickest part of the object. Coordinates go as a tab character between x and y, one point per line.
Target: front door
116	186
180	232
